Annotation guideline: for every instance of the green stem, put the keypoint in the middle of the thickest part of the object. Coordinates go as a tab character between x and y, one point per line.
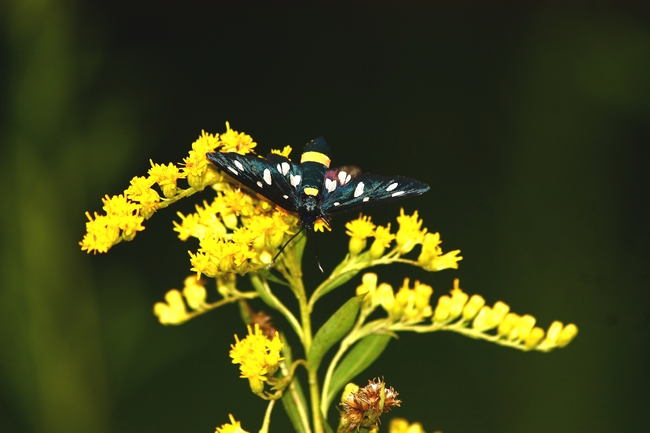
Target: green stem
267	417
292	271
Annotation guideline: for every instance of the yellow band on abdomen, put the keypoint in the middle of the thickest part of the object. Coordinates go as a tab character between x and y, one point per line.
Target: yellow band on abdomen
311	191
318	157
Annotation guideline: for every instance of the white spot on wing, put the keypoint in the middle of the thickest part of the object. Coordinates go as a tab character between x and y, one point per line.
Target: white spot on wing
233	170
285	196
366	199
239	166
358	190
392	186
267	176
259	184
342	175
395	194
336	203
330	185
295	180
285	168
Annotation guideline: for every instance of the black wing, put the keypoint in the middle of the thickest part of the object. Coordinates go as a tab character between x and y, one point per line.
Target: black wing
367	190
272	178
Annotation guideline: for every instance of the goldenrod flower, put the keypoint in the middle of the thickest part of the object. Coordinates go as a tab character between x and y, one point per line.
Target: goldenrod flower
121	222
140	191
258	357
232	427
383	239
409	233
431	258
412	304
233	141
359	230
195	165
166	177
237	232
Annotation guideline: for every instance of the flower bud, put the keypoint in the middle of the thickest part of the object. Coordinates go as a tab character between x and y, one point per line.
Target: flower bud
499	311
266	257
481	321
508	324
195	293
522	328
567	334
458	301
230	220
356	245
385	297
553	332
257	386
442	310
472	307
377	249
226	284
169	190
534	337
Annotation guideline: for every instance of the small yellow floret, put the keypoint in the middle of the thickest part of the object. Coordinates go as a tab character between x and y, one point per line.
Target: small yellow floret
257	355
284	152
231	427
166	177
233	141
409	233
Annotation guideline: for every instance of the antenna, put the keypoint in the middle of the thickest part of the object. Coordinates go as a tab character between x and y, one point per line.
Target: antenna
285	245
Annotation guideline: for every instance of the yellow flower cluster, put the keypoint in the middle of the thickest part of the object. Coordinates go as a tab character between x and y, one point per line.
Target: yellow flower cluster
173	311
511	329
258	357
409	305
460	313
237	232
231	427
126	212
400	425
409	234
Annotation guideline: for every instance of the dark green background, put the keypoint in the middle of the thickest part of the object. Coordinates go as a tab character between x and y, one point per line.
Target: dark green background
531	124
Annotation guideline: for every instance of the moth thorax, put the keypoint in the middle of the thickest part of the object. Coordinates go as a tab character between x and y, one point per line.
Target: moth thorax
310	205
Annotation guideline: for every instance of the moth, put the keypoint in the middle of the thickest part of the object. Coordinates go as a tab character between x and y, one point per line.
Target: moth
311	189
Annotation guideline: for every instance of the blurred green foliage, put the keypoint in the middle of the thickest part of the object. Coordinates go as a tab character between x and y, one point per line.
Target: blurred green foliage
530	122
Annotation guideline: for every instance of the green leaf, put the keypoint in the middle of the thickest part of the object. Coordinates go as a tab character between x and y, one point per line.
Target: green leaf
336	282
293	401
333	330
362	355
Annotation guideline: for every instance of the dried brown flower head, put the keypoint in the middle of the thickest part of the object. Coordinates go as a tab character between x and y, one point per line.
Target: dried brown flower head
364	407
